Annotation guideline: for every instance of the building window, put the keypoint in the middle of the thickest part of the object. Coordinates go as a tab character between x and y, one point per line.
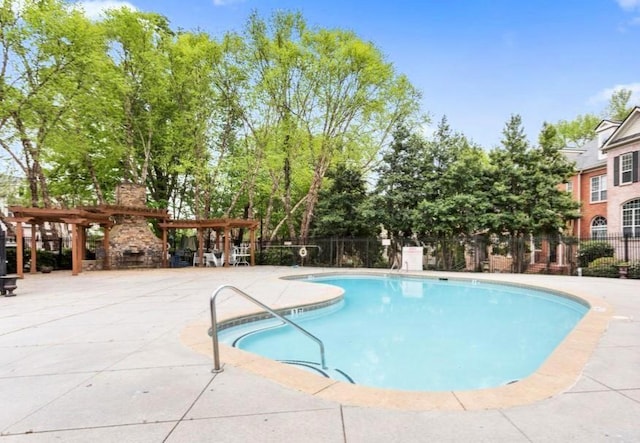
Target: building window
569	187
631	218
599	227
626	167
598	188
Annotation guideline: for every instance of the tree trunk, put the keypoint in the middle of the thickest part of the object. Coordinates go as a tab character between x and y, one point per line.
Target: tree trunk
269	209
31	160
95	181
297	205
312	197
130	168
287	193
9	226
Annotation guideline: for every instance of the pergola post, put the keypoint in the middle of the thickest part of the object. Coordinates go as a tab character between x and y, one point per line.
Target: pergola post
34	256
165	251
75	249
82	251
19	249
252	245
106	263
200	247
227	241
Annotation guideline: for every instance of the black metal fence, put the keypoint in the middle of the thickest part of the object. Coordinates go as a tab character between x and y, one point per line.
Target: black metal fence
327	252
440	254
557	254
489	253
622	247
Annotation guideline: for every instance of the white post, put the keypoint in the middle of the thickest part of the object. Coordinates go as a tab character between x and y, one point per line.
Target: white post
532	258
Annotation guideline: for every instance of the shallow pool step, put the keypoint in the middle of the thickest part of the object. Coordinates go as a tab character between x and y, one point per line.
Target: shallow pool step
332	373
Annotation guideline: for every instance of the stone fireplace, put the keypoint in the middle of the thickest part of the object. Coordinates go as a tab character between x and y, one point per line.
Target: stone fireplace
132	243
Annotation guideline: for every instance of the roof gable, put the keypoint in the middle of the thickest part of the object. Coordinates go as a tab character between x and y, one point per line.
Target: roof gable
606	124
627	132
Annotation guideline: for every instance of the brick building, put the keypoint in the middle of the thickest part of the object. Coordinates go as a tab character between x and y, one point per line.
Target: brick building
607	180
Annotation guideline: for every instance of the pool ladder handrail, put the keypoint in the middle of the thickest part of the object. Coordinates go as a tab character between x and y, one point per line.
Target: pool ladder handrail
214	325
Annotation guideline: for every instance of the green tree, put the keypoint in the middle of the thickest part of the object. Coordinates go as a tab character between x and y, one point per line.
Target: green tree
342	207
355	90
139	51
455	192
525	194
187	150
311	98
146	119
513	190
273	52
48	60
554	207
10	194
211	128
575	133
618	107
400	181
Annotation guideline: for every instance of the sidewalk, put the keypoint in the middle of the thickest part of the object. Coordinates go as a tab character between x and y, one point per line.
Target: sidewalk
98	358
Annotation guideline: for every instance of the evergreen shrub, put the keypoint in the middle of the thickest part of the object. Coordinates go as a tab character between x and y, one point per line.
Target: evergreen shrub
593	249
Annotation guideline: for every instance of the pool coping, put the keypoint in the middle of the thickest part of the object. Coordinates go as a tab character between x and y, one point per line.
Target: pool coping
559	372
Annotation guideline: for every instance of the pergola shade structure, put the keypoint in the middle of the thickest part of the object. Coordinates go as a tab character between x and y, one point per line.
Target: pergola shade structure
105	215
219	225
79	219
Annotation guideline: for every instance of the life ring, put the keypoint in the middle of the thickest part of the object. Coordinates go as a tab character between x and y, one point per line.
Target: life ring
302	252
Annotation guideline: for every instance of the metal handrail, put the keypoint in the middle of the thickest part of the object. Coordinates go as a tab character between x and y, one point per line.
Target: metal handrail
214	325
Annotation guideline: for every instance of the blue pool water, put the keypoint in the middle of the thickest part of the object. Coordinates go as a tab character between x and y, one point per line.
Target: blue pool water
421	334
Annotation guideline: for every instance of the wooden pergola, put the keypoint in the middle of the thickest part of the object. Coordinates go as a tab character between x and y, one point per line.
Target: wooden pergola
223	225
79	219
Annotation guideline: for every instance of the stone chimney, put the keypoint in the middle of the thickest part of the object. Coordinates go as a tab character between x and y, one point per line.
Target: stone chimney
132	243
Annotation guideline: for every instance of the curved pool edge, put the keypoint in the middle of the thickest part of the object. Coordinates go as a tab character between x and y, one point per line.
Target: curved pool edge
560	371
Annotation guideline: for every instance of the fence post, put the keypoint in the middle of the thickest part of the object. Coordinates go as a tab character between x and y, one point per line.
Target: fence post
331	251
59	256
3	254
626	246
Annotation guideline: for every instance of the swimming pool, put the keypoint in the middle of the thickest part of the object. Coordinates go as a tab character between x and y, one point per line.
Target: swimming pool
414	333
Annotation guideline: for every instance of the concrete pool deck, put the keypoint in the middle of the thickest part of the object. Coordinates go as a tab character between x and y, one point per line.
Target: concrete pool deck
108	356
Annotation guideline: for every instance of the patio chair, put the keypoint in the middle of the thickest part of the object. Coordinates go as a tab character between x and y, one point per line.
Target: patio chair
216	258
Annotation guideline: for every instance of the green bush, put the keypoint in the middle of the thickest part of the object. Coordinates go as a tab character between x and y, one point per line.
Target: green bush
608	267
634	270
277	257
65	259
604	261
593	249
45	258
604	271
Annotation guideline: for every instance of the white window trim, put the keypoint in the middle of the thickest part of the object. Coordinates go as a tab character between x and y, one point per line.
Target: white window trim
599	230
602	181
635	223
628	155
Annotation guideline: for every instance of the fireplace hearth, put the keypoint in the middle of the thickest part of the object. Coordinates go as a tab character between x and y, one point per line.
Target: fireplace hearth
132	243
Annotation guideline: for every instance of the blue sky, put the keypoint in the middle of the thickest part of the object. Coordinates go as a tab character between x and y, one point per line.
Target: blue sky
475	61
